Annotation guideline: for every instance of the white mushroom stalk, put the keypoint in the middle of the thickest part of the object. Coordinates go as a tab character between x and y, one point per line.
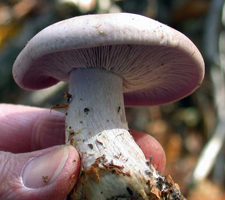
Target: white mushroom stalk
113	166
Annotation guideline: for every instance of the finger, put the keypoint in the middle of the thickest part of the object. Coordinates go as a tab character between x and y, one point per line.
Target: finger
25	129
151	147
40	175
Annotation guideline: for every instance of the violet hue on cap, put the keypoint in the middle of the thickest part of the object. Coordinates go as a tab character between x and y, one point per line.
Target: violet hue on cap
158	64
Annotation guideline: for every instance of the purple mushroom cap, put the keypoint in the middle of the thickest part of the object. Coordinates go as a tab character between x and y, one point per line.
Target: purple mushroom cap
157	63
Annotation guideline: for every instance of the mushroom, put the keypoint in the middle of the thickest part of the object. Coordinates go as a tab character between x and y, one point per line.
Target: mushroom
112	59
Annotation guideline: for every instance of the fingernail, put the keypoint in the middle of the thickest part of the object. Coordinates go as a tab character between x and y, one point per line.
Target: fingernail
43	170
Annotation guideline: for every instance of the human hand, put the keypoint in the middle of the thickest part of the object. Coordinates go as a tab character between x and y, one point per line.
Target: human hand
33	162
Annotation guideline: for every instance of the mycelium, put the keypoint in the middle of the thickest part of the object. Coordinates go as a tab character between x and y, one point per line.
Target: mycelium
112	59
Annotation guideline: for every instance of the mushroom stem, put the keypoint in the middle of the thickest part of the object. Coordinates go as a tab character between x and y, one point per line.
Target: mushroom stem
96	115
113	166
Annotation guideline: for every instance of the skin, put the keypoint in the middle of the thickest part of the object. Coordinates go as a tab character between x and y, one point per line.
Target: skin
27	133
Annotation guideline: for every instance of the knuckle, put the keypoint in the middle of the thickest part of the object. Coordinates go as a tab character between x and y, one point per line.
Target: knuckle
9	176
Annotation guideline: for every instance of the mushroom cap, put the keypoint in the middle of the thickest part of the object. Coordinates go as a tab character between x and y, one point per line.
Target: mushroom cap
158	64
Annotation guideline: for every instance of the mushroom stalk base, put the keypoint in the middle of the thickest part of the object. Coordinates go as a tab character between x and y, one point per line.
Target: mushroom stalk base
113	166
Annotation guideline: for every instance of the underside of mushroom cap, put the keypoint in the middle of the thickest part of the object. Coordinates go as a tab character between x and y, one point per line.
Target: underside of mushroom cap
158	64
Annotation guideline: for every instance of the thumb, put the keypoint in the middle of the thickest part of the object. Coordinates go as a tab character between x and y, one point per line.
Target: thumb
46	174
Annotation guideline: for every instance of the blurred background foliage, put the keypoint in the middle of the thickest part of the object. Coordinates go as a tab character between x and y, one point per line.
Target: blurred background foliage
192	130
